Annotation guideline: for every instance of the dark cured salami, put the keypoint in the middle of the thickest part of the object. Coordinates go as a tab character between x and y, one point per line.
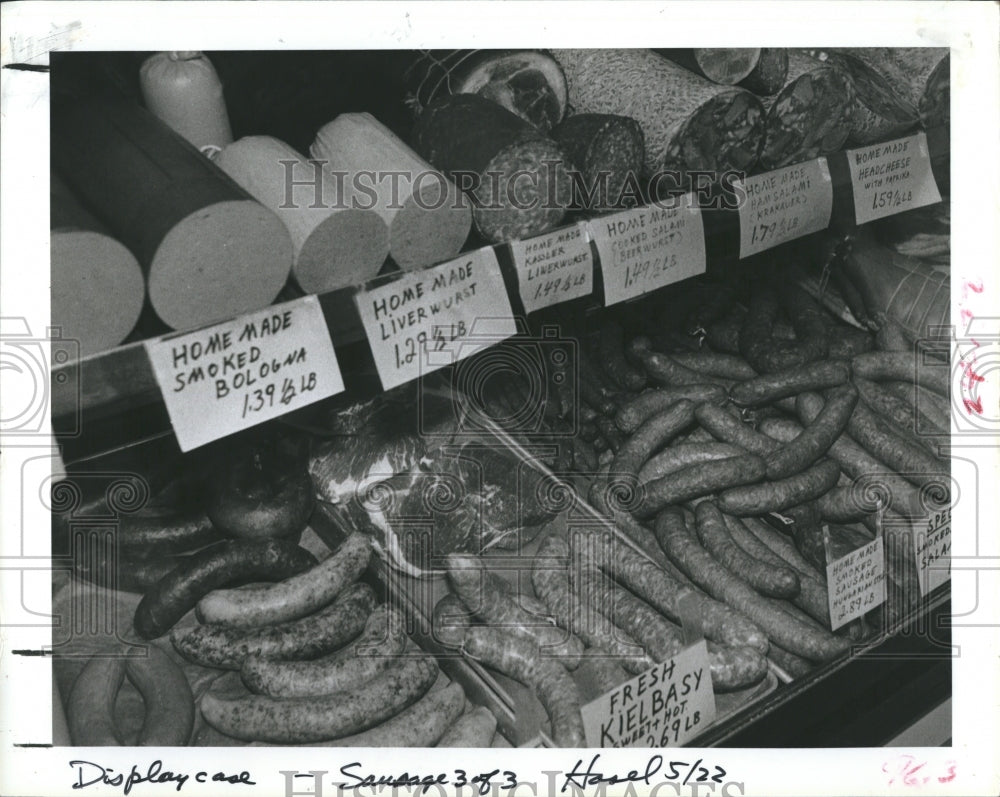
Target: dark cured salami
770	73
515	175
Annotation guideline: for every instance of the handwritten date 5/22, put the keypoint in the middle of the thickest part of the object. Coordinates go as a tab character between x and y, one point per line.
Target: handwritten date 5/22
905	770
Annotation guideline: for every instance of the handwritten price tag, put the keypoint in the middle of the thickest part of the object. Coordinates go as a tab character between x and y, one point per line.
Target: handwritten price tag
784	204
429	319
662	707
889	178
644	249
932	547
856	583
240	373
553	268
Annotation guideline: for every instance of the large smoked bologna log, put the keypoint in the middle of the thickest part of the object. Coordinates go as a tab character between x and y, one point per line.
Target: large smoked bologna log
811	116
516	175
97	285
770	73
726	65
609	152
427	216
183	89
208	249
896	87
337	240
688	121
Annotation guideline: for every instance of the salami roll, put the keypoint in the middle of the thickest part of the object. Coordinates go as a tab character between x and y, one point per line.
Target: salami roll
688	122
516	176
896	88
811	116
608	151
726	65
770	73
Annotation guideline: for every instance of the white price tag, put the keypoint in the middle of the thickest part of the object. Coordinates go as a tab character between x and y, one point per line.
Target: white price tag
663	707
856	583
429	319
553	268
892	177
785	204
644	249
237	374
932	547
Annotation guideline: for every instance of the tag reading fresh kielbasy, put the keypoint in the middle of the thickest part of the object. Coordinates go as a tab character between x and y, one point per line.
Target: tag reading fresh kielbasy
644	249
429	319
237	374
932	548
784	204
663	707
892	177
856	583
553	268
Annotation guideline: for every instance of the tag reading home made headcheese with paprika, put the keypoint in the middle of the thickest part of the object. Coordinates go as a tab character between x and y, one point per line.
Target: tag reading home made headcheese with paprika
647	248
237	374
891	177
663	707
784	204
431	318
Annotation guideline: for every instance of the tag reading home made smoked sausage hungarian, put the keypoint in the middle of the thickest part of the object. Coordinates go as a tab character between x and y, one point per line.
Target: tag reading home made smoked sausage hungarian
663	707
240	373
785	204
432	318
933	551
856	583
892	177
644	249
553	268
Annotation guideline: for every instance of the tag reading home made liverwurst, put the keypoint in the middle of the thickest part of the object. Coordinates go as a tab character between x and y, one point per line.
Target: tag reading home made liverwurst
240	373
553	268
644	249
892	177
663	707
856	583
932	548
784	204
429	319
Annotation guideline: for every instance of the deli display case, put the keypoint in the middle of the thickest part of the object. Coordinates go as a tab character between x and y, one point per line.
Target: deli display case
632	432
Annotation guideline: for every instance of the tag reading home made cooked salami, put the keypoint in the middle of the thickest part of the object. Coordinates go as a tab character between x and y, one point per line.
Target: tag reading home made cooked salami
553	268
892	177
785	204
856	583
429	319
240	373
644	249
663	707
932	548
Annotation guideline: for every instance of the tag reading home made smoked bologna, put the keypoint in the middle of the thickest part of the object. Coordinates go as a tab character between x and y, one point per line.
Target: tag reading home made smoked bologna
644	249
784	204
240	373
933	551
892	177
663	707
429	319
553	268
856	583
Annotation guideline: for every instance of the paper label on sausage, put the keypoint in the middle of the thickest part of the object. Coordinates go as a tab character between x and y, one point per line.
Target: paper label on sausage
553	268
932	548
856	583
429	319
665	706
237	374
644	249
784	204
892	177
